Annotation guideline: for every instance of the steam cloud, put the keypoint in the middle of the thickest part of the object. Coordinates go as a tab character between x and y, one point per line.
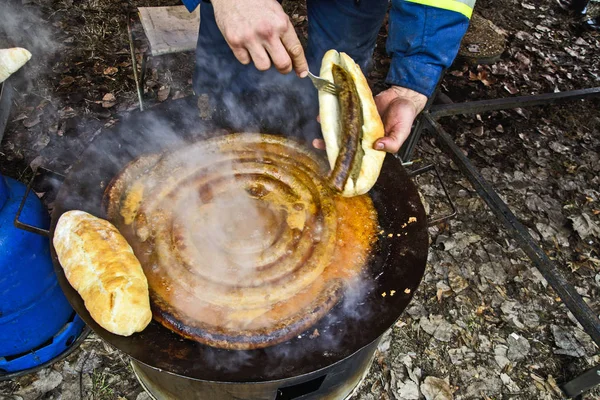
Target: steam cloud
22	26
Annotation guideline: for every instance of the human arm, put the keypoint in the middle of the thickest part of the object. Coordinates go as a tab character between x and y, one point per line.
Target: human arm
260	32
423	40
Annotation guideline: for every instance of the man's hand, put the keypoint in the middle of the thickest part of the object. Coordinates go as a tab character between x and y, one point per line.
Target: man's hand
398	108
259	31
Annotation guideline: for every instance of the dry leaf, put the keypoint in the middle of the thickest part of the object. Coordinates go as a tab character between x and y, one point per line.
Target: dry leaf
109	100
19	117
583	225
31	122
542	28
111	70
510	88
66	81
436	389
67	112
163	93
178	95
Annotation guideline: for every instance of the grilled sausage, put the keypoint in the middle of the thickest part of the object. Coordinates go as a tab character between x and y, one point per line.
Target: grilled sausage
351	122
351	125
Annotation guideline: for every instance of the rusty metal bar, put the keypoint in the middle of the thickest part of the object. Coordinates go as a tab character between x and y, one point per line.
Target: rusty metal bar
475	107
138	84
5	102
452	214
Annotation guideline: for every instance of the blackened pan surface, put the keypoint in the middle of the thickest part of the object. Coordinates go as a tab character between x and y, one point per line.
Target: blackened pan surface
397	265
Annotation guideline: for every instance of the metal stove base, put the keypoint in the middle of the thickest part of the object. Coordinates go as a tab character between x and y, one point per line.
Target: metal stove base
340	381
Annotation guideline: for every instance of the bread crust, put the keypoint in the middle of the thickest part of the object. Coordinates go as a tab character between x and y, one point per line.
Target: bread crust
11	60
101	266
372	128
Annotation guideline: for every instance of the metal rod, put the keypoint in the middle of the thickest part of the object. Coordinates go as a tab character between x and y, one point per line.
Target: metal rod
5	103
24	226
408	148
475	107
432	167
134	63
581	384
584	314
143	71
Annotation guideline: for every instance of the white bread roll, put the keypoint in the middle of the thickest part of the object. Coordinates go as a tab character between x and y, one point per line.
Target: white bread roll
11	60
372	129
99	264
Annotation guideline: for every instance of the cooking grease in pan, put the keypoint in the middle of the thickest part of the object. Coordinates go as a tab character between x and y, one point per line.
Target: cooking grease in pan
243	243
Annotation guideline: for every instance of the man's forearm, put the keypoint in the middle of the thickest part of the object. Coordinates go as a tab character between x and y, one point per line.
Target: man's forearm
423	39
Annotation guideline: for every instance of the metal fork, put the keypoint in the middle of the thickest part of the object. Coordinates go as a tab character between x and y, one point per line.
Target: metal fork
323	84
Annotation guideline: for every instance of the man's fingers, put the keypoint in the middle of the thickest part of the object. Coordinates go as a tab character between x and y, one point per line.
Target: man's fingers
397	119
279	55
259	55
318	144
242	55
296	52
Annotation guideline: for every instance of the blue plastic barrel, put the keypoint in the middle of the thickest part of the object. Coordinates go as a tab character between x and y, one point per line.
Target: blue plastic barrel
33	308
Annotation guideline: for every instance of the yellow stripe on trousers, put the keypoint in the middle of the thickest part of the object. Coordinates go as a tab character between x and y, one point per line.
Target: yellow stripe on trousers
464	7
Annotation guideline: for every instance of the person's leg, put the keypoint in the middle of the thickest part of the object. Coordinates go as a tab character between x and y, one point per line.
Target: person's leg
350	26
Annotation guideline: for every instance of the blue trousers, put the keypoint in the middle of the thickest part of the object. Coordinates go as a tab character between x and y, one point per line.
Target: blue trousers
269	99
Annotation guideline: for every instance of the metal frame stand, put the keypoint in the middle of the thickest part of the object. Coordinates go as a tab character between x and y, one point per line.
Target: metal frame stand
549	269
139	83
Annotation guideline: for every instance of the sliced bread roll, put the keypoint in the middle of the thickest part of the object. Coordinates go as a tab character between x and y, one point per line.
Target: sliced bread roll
99	264
358	175
11	60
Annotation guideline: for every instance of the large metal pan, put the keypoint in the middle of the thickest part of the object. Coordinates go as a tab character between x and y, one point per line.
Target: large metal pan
397	265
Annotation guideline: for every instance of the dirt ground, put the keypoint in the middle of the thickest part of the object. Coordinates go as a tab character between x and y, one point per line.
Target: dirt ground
484	323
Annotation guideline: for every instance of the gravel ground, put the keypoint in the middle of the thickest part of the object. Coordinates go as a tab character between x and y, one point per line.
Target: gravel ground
484	324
